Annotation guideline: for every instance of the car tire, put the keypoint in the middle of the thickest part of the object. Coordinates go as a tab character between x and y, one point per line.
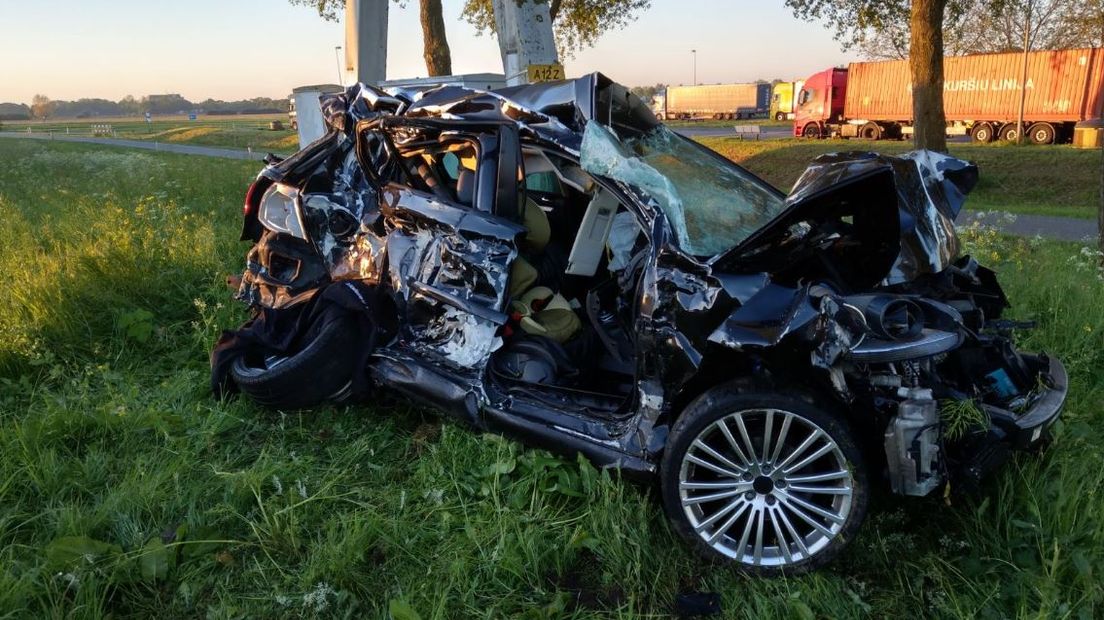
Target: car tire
779	116
805	493
810	130
322	369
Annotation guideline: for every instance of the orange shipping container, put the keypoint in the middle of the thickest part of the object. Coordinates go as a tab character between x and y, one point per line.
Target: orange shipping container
1061	85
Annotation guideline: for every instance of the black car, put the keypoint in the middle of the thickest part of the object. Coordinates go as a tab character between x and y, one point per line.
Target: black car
550	262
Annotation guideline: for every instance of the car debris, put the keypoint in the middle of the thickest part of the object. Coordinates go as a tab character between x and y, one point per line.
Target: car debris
550	262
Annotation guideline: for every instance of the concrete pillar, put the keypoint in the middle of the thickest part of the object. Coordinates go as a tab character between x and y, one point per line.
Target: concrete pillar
366	40
524	37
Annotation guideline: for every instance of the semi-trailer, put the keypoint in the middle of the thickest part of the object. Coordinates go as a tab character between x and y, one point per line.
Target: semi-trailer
716	101
981	97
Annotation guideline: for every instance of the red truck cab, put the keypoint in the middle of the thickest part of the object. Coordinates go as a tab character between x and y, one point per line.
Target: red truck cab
819	103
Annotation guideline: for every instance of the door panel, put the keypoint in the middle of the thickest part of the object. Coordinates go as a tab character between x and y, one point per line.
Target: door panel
449	266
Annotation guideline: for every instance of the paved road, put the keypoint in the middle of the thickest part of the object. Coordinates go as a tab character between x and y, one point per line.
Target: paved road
186	149
1062	228
766	132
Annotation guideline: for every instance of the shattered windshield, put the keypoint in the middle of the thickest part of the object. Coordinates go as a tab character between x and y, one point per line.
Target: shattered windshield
711	203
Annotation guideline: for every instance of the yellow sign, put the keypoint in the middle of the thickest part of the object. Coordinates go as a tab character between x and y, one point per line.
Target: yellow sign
545	73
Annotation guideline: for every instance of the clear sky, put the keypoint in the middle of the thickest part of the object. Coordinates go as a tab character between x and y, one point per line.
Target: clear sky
233	49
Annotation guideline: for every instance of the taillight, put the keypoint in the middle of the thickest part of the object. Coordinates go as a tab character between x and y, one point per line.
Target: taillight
252	198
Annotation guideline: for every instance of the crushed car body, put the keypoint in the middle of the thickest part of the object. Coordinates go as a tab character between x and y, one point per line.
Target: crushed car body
550	262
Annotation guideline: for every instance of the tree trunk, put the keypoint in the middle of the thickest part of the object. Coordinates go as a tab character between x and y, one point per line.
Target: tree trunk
438	59
926	65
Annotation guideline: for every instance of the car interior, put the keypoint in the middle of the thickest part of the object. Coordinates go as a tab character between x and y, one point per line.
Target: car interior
572	287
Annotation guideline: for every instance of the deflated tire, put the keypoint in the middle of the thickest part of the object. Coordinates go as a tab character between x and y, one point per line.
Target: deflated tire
322	369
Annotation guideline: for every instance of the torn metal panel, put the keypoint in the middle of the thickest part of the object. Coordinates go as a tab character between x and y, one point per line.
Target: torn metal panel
449	267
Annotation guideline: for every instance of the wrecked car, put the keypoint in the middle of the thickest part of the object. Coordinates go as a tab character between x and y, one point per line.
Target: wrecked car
550	262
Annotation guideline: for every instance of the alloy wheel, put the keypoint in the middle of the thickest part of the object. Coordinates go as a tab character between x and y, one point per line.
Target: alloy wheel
765	487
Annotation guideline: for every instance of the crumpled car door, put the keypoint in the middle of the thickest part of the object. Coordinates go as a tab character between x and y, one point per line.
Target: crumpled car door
449	266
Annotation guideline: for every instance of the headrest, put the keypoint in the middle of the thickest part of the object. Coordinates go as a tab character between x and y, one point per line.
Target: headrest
465	187
538	231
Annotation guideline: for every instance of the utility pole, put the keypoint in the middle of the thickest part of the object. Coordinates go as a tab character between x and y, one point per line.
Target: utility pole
1023	75
525	40
340	69
366	40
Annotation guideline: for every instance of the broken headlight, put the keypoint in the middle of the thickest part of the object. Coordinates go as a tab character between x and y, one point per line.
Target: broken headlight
279	211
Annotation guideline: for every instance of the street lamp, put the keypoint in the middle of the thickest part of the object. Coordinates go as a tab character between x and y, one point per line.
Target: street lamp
340	73
695	53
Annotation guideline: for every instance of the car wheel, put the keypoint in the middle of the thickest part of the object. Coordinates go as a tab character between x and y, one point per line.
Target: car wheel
321	370
779	116
767	481
810	130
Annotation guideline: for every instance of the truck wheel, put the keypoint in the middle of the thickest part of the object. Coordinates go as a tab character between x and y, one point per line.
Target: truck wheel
1041	133
982	132
763	479
779	116
870	131
1008	132
810	130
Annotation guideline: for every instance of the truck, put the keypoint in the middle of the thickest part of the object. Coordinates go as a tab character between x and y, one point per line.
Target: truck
782	99
716	101
981	97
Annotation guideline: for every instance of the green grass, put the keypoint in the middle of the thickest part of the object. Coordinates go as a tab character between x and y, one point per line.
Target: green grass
242	131
113	265
1041	180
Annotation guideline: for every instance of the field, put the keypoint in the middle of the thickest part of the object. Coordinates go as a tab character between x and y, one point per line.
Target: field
1042	180
232	131
127	490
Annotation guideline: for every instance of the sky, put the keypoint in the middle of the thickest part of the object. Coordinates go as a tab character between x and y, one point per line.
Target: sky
235	49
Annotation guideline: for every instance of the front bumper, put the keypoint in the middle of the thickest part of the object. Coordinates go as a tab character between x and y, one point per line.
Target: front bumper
1027	430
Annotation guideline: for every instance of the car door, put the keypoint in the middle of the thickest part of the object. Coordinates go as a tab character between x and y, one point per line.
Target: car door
452	238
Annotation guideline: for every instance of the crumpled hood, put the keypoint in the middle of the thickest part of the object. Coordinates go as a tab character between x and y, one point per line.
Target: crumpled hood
910	201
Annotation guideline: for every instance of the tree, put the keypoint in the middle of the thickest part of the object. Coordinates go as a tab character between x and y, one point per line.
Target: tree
577	24
646	93
854	20
983	26
926	64
41	107
438	57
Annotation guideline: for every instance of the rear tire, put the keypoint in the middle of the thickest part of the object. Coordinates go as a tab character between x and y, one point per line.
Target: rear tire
321	370
982	133
1042	133
786	483
870	131
1008	132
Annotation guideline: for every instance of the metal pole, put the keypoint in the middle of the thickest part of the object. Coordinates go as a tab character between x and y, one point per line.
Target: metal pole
340	73
695	53
1023	78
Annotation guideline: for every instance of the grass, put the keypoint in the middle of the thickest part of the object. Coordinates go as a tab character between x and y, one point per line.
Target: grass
127	491
238	131
1039	180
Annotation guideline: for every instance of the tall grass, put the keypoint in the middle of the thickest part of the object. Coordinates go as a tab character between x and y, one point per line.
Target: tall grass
127	490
